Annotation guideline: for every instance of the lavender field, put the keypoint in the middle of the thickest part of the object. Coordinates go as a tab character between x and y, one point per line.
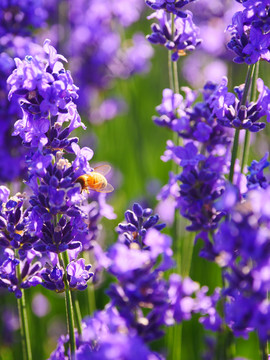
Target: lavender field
134	180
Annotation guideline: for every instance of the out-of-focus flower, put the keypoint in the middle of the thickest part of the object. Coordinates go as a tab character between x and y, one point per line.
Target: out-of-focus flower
40	305
18	17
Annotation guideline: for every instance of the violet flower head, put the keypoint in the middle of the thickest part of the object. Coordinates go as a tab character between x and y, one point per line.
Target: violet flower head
43	88
192	120
241	248
256	177
138	222
12	153
170	6
78	274
202	183
185	37
231	112
250	32
140	284
107	335
187	298
52	278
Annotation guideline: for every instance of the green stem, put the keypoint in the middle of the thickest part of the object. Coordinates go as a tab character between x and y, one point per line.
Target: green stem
237	131
245	150
263	349
234	154
247	135
175	74
64	260
77	313
70	324
170	70
24	328
250	72
91	300
26	345
90	293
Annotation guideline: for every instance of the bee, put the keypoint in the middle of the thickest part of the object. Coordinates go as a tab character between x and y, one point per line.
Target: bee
96	180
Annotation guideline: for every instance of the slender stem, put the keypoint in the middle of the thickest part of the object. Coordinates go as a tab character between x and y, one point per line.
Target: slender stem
63	258
175	73
77	312
90	293
245	150
254	81
263	349
24	327
170	70
91	300
70	323
237	131
247	135
247	84
187	249
27	354
234	154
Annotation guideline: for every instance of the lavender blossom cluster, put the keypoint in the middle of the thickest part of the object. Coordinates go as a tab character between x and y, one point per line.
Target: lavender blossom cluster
138	263
54	221
180	37
225	203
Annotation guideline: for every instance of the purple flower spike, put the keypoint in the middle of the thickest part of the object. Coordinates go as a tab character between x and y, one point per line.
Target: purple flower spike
169	5
256	177
138	223
250	39
41	94
230	112
185	37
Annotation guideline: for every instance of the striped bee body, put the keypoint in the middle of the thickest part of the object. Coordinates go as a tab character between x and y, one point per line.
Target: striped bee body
96	180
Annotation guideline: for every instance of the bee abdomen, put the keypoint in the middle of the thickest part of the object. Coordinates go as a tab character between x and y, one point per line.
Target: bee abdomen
97	181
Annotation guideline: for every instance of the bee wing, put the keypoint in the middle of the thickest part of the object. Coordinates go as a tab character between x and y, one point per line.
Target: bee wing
107	189
102	169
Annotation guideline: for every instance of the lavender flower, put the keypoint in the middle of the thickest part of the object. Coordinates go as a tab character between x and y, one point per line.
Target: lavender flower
192	120
256	177
185	36
170	6
141	301
138	222
241	247
230	111
54	221
107	335
250	33
78	274
202	179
